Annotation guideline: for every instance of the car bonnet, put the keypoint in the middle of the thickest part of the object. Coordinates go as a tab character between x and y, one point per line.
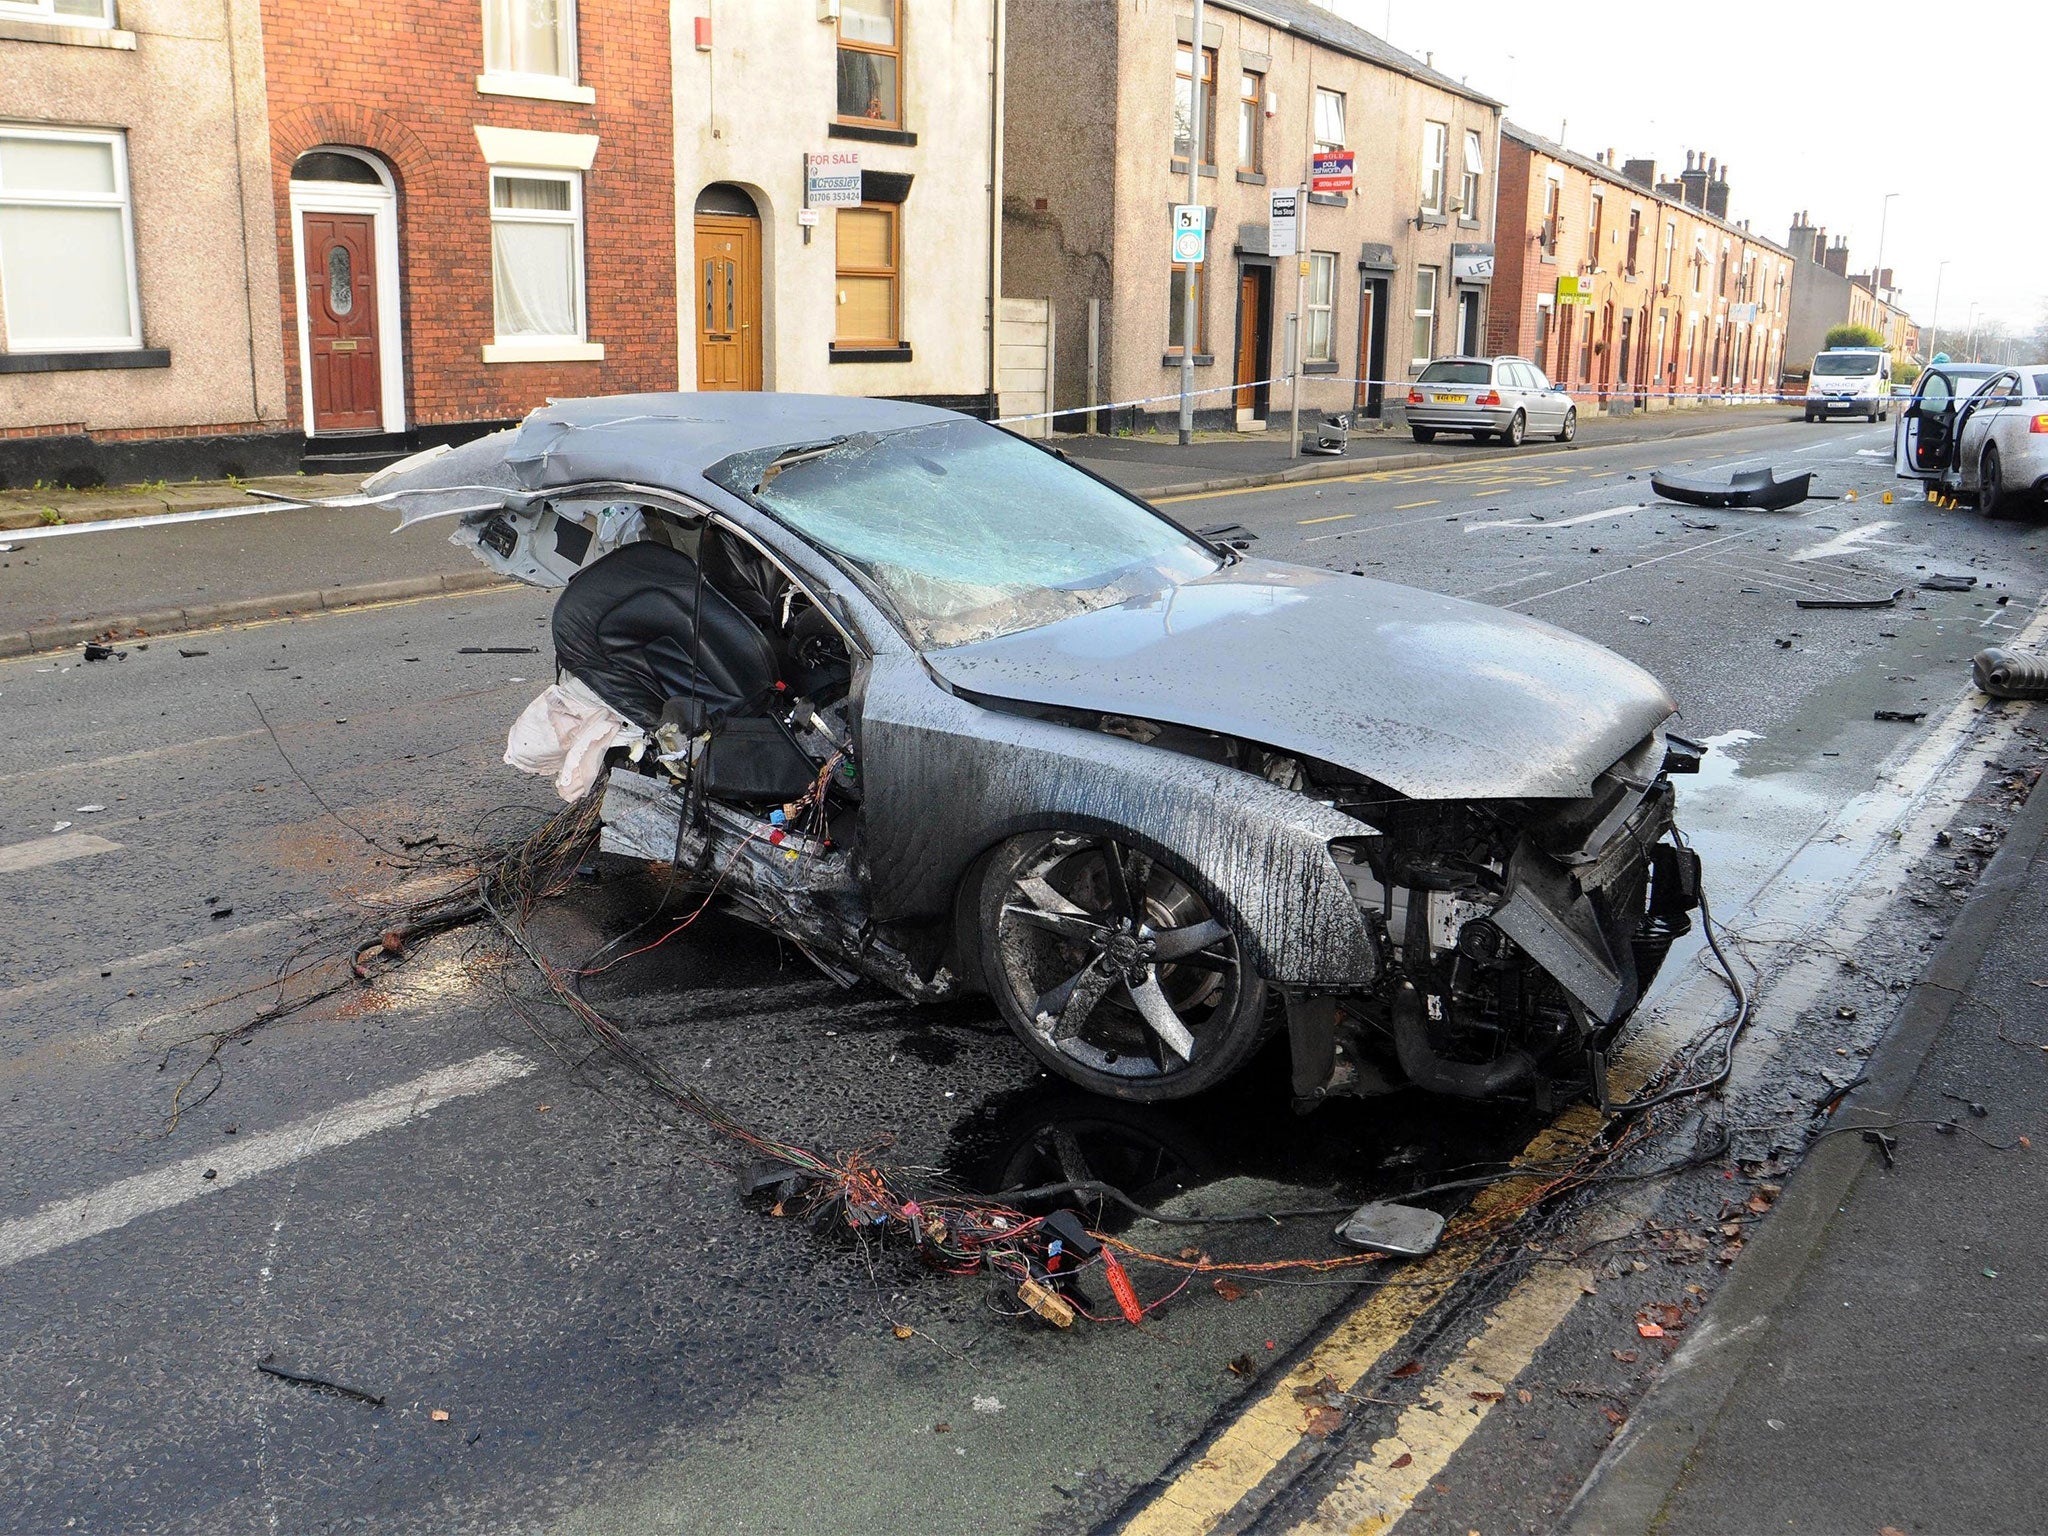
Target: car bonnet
1431	696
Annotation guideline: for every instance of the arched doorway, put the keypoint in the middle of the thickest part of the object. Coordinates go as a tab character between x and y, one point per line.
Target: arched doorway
344	213
727	285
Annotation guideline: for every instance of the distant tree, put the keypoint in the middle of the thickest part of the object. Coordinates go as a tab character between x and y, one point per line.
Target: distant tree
1853	336
1904	372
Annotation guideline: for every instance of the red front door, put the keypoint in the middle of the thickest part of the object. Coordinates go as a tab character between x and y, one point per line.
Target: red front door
341	321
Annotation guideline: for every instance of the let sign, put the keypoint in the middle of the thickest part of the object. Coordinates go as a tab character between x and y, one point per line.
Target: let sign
1190	233
1331	170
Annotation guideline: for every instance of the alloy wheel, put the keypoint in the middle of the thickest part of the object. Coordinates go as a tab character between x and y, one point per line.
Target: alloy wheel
1113	967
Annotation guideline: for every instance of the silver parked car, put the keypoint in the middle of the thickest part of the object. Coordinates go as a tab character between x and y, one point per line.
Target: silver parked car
1505	398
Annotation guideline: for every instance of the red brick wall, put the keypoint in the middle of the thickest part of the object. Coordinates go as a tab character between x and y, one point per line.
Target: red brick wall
1510	320
401	81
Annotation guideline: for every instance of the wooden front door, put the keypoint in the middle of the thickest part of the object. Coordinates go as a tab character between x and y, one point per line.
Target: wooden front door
1252	310
728	300
341	321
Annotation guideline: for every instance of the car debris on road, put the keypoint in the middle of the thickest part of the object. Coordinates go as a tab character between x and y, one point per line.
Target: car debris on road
1757	488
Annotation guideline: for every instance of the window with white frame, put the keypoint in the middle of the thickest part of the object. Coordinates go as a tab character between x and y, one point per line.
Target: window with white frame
537	255
67	249
1329	119
1320	307
530	37
1475	171
64	13
1422	346
1434	137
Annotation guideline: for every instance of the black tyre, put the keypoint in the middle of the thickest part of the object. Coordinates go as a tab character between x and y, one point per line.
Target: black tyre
1810	418
1992	499
1113	970
1570	429
1517	430
1424	434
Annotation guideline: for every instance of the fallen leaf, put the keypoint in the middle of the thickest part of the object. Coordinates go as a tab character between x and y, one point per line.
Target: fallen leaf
1487	1397
1729	1254
1671	1315
1756	1205
1242	1366
439	1415
1625	1356
942	1429
904	1332
1524	1396
1587	1288
1613	1415
1412	1368
1190	1253
1399	1461
1731	1229
1649	1330
2026	1144
1893	1530
1324	1391
1321	1421
1228	1289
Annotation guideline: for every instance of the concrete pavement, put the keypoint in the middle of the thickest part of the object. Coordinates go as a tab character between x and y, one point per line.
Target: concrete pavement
1876	1359
60	590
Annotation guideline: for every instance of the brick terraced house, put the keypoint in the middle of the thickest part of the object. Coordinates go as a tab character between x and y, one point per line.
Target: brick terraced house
1634	291
475	210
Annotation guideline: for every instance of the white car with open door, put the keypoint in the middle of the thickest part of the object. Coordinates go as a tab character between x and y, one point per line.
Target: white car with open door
1925	441
2001	454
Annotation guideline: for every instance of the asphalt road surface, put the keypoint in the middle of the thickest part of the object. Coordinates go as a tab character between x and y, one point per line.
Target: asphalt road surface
430	1190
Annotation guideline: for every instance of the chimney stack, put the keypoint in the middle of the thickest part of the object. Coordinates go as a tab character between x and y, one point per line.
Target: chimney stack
1717	194
1695	179
1837	259
1643	173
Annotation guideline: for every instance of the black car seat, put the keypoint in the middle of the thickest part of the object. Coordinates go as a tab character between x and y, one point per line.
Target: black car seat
746	577
628	625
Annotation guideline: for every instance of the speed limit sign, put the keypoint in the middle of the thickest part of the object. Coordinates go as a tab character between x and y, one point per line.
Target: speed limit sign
1190	233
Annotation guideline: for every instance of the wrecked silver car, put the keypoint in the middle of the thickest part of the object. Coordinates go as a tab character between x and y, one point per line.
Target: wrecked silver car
944	711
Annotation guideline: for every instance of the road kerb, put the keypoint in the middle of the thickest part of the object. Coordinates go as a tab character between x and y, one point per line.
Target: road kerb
1631	1484
164	621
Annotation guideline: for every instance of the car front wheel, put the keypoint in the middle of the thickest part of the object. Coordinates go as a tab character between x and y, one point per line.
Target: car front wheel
1570	429
1991	497
1113	970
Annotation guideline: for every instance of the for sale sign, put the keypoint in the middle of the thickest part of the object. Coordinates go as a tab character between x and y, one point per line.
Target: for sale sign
832	179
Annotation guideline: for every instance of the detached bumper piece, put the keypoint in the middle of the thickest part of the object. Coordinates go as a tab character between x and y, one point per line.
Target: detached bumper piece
1757	488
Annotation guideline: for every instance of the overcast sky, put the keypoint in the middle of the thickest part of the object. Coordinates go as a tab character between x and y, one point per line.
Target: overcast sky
1816	107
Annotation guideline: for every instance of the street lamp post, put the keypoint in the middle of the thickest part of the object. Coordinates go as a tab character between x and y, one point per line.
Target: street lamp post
1191	280
1934	324
1877	272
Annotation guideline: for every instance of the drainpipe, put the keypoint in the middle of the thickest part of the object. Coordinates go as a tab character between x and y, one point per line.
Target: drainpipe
995	193
1189	320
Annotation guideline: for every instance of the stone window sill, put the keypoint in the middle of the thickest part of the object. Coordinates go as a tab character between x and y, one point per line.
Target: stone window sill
869	134
20	29
78	362
536	88
1309	368
1172	360
543	351
1329	199
1252	178
1180	168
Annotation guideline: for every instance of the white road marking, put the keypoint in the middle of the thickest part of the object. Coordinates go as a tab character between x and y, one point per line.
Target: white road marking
1842	543
1502	586
64	1222
37	852
1561	522
1635	565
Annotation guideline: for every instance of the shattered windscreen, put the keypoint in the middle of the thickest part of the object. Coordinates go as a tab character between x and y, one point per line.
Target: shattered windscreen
968	533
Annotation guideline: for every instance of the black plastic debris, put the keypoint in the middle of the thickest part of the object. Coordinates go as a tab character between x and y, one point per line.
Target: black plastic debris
1236	535
95	651
1759	488
1939	583
1852	602
189	654
498	650
1903	716
220	912
268	1366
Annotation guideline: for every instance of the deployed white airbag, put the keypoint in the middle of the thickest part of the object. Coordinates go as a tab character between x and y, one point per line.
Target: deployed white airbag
564	735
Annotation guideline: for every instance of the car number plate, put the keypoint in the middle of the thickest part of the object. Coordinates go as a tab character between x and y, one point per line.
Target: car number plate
1450	399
